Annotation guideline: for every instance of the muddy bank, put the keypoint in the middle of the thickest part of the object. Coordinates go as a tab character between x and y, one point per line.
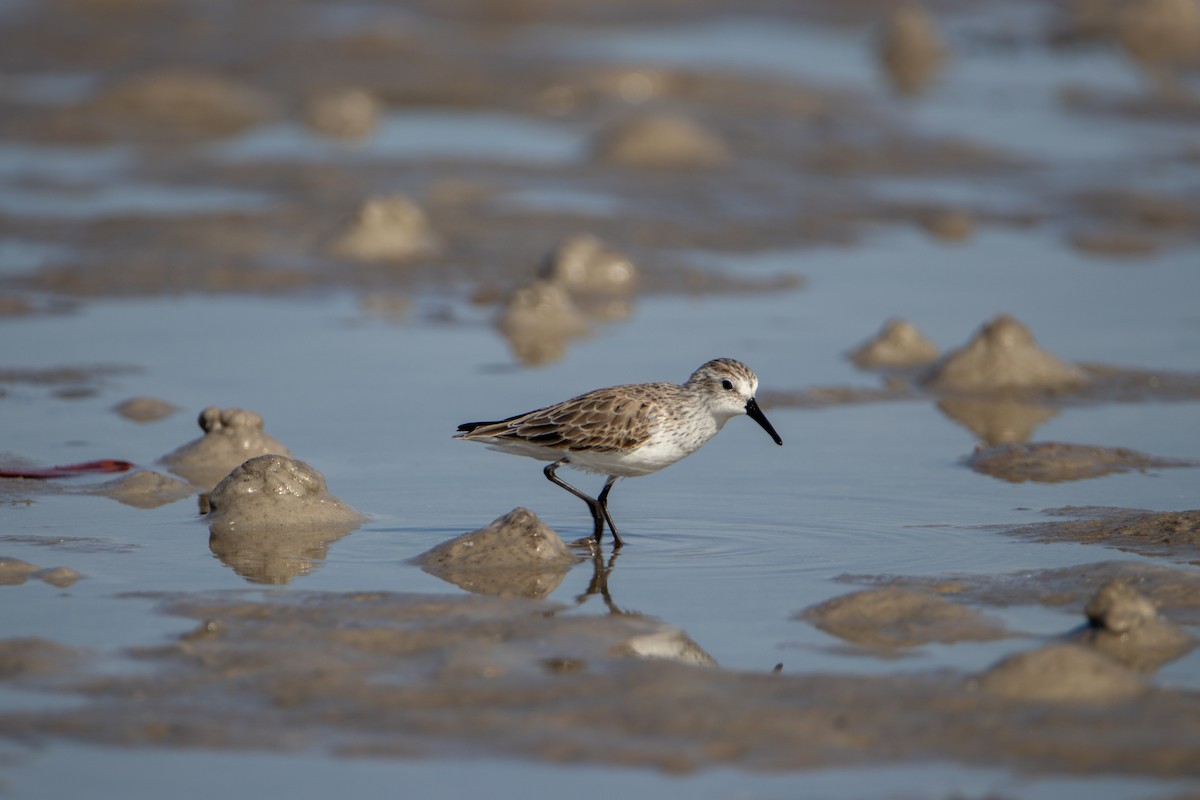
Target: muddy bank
403	675
1130	629
1169	534
1001	362
1105	384
1002	385
1174	592
584	129
1050	462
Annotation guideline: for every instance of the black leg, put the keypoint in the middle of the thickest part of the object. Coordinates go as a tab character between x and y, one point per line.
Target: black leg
592	503
603	501
598	507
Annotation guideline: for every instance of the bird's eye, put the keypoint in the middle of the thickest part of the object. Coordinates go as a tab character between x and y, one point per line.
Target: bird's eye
727	384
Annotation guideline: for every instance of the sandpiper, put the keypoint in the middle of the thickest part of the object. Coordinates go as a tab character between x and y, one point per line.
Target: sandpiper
627	431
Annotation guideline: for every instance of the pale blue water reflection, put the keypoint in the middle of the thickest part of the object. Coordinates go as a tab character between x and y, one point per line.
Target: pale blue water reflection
466	134
199	776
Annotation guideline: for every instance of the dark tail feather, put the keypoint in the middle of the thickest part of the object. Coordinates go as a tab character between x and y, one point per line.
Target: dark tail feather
469	427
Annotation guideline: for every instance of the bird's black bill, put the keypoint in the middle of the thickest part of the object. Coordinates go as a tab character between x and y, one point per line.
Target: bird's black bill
755	413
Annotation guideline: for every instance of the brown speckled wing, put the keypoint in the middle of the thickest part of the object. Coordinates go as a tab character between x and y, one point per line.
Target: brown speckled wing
605	420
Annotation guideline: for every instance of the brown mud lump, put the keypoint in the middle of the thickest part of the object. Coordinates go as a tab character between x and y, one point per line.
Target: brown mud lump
600	280
910	49
62	577
145	409
1116	243
392	228
538	320
1126	626
34	657
516	555
183	103
661	141
14	571
146	489
346	113
949	225
894	617
1061	673
1119	608
1051	462
272	518
1174	534
1003	357
274	491
230	437
897	345
1160	34
1146	211
999	420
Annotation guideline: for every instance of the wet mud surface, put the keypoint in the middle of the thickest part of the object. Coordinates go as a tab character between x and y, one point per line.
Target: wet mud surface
295	228
1174	535
280	218
380	674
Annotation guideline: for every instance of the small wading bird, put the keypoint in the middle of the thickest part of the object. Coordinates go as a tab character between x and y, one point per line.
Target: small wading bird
627	431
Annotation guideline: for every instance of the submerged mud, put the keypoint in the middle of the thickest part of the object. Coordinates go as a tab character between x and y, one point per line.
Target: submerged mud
408	675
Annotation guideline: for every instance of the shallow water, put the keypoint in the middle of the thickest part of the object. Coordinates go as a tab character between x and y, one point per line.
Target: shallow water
191	775
470	135
859	489
1002	94
728	545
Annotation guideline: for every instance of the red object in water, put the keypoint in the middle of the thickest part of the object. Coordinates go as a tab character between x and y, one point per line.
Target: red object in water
69	470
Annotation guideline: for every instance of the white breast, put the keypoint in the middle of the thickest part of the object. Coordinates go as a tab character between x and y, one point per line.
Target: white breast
666	446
